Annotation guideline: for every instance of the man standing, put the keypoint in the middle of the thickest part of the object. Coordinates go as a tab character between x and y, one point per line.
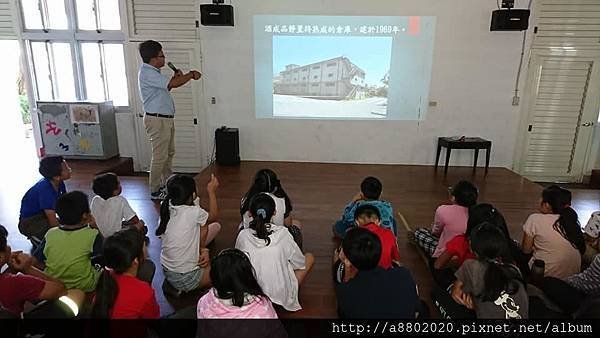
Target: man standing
159	112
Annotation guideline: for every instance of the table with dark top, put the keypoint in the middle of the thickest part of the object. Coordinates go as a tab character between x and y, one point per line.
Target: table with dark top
474	143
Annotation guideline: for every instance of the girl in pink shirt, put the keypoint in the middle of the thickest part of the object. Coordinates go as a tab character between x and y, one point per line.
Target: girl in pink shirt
235	292
554	235
449	221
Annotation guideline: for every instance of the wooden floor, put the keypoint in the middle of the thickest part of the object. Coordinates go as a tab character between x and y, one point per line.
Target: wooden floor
319	193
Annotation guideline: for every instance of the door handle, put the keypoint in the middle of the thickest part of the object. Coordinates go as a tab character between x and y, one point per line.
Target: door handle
588	124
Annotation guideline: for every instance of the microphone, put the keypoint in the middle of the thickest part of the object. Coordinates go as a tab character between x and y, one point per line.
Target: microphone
172	66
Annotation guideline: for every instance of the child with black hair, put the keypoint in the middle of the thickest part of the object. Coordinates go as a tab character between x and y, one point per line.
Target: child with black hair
591	234
458	249
185	229
22	283
449	220
373	292
111	210
554	235
491	285
38	204
236	293
119	293
370	194
67	250
266	181
278	261
367	216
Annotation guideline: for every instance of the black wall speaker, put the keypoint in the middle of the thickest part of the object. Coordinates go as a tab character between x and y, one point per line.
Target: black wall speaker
228	146
216	15
510	20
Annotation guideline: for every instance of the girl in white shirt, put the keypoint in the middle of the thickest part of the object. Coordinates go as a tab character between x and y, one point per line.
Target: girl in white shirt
278	261
266	181
185	229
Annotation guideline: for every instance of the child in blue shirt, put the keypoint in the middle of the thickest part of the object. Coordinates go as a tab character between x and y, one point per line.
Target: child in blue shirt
370	192
37	206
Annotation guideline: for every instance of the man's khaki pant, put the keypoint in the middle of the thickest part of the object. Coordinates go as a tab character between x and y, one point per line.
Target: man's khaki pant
162	138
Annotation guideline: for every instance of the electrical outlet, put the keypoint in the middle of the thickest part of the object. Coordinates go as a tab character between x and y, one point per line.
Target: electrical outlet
515	101
213	100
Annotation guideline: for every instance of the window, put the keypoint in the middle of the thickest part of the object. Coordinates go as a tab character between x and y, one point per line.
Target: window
330	84
316	67
103	80
53	68
98	15
44	14
76	57
330	75
333	64
315	77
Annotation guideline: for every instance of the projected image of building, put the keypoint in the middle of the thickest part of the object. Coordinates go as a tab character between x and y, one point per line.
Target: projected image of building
333	79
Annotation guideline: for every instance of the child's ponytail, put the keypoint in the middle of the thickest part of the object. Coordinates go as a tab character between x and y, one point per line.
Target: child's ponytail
567	225
180	191
262	208
165	216
119	252
106	295
490	245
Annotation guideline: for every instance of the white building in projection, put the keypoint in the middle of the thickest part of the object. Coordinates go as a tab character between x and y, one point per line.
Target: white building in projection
333	79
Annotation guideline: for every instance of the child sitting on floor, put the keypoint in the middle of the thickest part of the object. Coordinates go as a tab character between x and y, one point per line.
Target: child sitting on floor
111	210
67	250
120	294
266	181
591	233
554	235
236	292
449	221
491	285
367	216
22	283
370	193
571	293
373	292
185	229
278	261
37	206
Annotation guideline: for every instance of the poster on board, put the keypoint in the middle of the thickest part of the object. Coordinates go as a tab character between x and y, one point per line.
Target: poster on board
84	114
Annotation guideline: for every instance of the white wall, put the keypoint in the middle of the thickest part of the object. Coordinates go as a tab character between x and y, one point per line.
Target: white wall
472	82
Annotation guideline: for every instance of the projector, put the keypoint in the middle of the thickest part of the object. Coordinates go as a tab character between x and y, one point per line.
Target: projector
510	20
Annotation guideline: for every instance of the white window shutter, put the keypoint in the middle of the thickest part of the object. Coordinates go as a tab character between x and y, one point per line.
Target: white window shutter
7	24
166	20
567	23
